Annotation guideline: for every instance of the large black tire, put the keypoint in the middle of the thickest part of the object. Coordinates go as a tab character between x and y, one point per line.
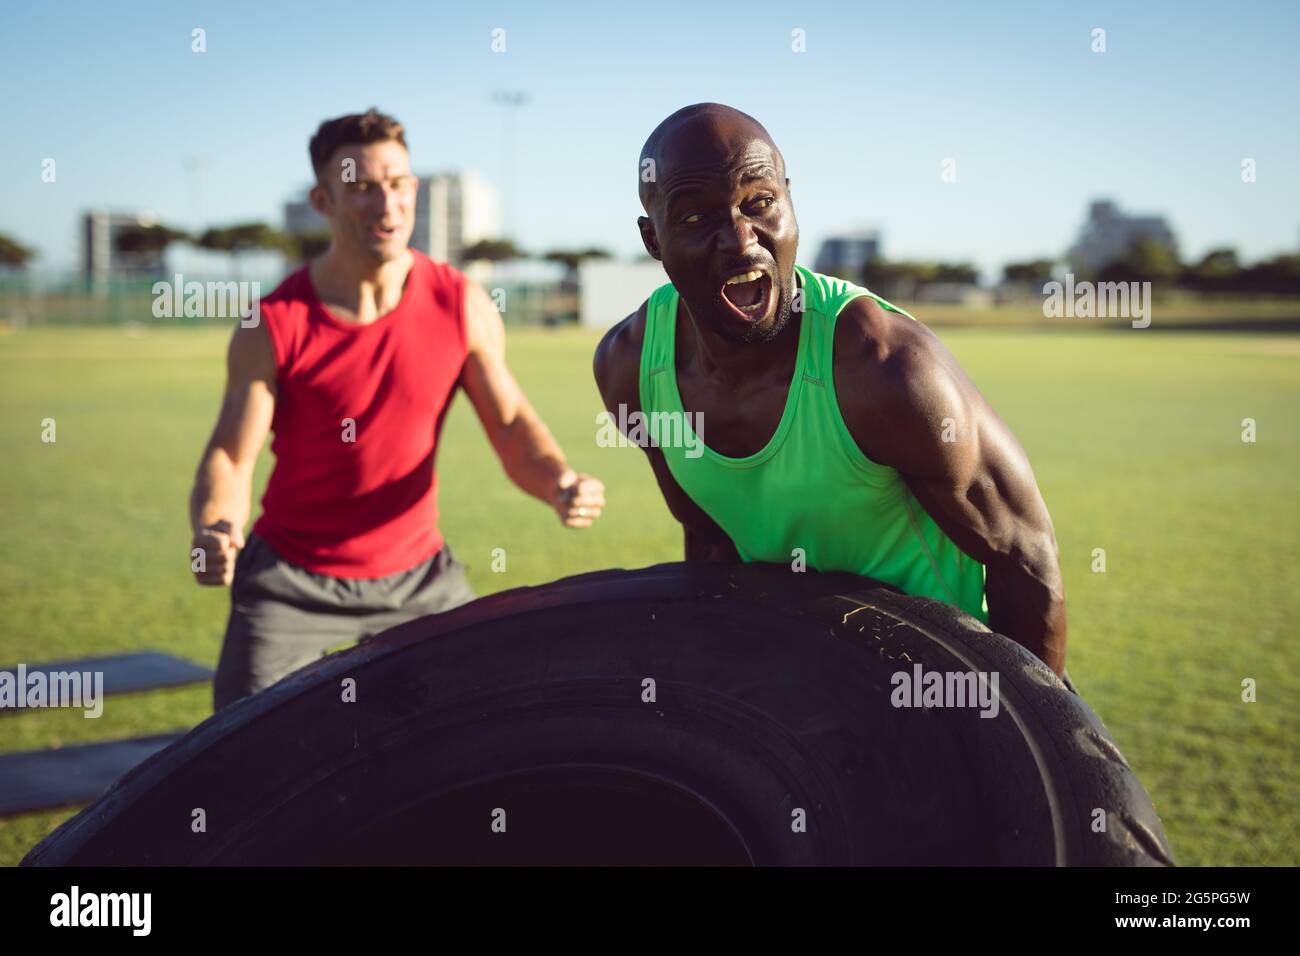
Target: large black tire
771	740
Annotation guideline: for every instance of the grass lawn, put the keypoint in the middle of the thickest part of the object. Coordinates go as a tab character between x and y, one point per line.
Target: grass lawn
1135	439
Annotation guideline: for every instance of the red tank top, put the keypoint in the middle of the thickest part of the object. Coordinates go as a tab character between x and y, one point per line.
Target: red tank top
358	412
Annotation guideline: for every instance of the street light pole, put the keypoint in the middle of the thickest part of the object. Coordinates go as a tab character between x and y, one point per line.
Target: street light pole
510	100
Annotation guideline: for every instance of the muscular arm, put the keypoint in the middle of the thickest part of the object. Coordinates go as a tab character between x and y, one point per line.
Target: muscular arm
897	385
528	452
617	367
223	483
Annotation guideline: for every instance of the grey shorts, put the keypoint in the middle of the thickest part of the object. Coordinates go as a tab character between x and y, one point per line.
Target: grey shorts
283	617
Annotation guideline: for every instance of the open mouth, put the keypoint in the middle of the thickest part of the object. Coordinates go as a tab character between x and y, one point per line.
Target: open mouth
748	293
380	232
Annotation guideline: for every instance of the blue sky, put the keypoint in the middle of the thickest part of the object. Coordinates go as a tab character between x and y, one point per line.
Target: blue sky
1038	123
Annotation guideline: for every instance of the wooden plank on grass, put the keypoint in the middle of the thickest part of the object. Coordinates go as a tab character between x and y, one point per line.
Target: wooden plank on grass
64	776
123	673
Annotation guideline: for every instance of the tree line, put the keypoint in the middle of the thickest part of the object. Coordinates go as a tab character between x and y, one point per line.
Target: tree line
236	240
1219	271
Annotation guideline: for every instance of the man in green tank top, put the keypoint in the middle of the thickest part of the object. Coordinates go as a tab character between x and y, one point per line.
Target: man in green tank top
797	418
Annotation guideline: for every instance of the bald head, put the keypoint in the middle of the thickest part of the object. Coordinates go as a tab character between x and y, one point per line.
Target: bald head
717	207
699	137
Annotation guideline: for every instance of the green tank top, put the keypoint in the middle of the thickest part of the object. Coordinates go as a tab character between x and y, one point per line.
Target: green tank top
810	487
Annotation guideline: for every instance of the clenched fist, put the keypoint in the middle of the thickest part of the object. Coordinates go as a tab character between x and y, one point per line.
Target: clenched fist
219	545
579	499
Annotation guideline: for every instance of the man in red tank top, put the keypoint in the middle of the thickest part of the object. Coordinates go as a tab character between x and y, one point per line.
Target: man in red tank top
352	365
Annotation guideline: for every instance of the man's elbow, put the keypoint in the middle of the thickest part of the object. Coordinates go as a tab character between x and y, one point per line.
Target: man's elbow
1026	598
1025	580
1033	556
221	462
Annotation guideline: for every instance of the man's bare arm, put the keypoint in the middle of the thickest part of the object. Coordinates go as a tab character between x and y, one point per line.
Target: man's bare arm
702	539
912	407
617	367
528	452
221	500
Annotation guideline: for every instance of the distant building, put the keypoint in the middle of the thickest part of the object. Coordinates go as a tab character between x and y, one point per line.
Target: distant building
452	212
610	291
1108	234
844	255
100	256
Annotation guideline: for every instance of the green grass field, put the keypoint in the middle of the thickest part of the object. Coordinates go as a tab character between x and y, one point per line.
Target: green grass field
1135	439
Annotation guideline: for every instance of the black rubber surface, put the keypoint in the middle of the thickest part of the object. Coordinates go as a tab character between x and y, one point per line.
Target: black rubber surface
515	730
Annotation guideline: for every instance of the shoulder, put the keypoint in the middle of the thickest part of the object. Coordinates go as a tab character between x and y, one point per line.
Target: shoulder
282	321
617	362
893	376
295	288
446	284
459	298
251	354
444	279
433	268
484	328
886	349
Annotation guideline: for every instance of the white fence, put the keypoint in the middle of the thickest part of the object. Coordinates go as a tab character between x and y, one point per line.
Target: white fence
610	291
